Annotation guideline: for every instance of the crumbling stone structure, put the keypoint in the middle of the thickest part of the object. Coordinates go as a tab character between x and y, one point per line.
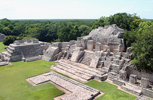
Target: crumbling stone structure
2	37
24	50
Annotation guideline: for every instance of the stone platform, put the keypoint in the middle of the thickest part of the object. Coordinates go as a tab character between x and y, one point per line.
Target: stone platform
78	71
78	90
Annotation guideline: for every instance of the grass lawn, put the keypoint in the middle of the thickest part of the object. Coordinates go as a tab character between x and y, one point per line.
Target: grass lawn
13	85
2	47
111	91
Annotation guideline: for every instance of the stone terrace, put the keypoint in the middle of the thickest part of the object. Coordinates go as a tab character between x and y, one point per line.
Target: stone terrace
78	90
77	72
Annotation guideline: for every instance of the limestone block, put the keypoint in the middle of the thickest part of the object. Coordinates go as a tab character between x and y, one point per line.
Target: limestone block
97	46
122	74
28	40
77	54
147	92
144	82
107	34
16	42
133	78
121	47
90	45
112	76
106	48
94	61
115	68
35	41
118	82
56	44
141	98
2	37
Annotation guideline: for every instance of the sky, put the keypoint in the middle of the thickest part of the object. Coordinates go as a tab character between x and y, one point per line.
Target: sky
73	9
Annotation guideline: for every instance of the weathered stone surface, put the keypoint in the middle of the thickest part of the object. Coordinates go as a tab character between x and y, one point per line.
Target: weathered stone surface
90	45
21	50
132	89
122	74
50	53
77	54
95	59
144	82
108	35
97	46
112	76
118	82
141	98
133	78
2	37
78	90
147	92
87	57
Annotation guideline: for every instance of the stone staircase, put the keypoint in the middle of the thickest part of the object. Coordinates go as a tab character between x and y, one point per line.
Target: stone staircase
87	58
79	73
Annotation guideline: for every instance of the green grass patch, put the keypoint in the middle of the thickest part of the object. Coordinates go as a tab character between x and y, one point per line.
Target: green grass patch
110	90
2	47
13	85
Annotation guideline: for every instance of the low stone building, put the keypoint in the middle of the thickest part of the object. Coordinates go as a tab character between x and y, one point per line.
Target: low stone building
24	50
2	37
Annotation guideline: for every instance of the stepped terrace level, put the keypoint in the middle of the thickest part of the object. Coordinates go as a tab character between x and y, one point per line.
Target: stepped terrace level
78	90
24	50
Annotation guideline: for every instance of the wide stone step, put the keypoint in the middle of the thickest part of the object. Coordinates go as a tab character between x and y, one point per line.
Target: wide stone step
132	89
69	74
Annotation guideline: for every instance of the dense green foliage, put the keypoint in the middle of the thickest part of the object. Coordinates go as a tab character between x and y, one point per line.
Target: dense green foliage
111	91
47	31
143	47
13	85
123	20
9	39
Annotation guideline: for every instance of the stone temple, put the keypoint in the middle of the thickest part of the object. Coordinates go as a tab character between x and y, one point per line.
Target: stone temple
101	55
2	37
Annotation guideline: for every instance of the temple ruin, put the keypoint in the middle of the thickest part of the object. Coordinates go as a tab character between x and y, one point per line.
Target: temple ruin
2	37
101	55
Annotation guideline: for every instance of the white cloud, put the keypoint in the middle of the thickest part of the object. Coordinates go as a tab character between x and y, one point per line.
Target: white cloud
126	9
5	3
150	1
135	1
75	2
148	10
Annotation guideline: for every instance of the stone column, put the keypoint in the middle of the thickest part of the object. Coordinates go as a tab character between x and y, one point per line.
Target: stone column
133	78
90	45
122	74
98	46
144	82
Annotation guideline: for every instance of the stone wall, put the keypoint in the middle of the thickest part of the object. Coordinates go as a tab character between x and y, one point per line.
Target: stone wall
2	36
149	76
